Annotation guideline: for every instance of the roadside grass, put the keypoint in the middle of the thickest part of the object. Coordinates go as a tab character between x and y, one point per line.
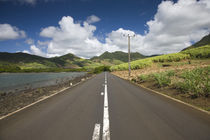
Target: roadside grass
163	79
193	83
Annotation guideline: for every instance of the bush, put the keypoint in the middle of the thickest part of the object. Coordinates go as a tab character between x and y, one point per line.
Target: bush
143	78
195	82
162	80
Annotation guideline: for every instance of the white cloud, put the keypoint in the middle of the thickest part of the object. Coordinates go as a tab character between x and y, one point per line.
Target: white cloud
42	43
29	41
117	41
31	2
174	27
92	19
8	32
37	51
71	37
26	51
21	1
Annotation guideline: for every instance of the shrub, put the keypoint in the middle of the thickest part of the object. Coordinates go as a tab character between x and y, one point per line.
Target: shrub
143	78
195	82
162	79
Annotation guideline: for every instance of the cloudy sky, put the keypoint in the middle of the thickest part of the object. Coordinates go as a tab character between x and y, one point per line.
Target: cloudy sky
88	28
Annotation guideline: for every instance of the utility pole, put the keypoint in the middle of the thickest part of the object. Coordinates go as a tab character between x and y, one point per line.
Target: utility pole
129	55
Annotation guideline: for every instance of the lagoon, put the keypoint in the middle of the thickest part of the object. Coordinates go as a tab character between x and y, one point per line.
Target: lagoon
20	81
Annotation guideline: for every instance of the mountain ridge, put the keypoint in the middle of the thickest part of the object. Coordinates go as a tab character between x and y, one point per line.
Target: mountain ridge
69	61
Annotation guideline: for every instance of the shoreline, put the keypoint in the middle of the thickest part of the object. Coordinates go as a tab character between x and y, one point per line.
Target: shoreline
23	81
12	101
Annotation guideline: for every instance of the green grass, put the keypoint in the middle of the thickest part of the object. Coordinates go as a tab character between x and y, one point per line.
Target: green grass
196	53
7	67
194	82
138	64
34	65
163	79
201	52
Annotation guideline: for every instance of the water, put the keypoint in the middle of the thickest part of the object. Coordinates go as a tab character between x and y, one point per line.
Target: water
19	81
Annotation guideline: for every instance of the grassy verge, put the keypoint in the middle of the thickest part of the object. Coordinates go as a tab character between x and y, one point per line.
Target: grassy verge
191	86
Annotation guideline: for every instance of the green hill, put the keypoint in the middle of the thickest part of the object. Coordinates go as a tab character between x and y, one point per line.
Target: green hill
117	57
20	57
204	41
22	61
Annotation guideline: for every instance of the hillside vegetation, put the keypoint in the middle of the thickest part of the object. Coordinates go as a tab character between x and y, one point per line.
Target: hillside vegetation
22	62
195	53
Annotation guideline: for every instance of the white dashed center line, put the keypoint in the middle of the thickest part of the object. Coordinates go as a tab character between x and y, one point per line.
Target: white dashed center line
96	132
106	132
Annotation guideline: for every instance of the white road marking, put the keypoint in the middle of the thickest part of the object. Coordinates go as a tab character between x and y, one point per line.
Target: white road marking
106	132
96	132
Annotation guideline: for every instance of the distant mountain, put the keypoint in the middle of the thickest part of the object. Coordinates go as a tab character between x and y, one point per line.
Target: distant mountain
204	41
66	61
22	58
116	57
28	61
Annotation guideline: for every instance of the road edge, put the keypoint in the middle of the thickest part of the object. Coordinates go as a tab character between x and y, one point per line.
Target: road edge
169	97
44	98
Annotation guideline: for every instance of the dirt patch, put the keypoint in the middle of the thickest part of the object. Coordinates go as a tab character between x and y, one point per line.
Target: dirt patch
9	102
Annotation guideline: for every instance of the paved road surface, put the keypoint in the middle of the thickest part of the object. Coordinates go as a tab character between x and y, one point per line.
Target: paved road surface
129	113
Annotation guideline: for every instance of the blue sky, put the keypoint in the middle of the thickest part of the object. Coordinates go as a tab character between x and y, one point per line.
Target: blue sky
25	26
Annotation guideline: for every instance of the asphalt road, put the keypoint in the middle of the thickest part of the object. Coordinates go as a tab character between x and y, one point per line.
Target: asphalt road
130	113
